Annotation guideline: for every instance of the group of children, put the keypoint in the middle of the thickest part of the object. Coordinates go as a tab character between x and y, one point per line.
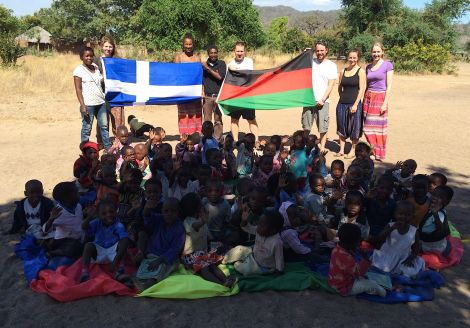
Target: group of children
220	201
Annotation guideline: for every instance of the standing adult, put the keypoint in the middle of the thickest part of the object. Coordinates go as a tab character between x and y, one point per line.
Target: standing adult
351	88
189	114
87	80
212	78
242	63
108	50
379	86
324	75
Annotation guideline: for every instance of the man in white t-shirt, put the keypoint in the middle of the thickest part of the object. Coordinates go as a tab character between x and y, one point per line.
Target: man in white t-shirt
240	62
324	75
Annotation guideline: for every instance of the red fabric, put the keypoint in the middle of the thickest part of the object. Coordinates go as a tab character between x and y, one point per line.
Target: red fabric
63	284
89	144
436	261
344	270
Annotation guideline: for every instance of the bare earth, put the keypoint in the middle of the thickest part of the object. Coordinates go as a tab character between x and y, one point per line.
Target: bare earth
40	137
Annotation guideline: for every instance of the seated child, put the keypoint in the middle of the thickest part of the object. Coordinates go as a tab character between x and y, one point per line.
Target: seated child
271	150
435	180
130	197
195	253
122	139
179	184
85	167
263	171
207	141
367	169
346	275
33	211
187	151
298	160
153	144
363	151
127	161
229	161
268	249
214	160
434	229
65	221
245	148
138	128
354	212
142	159
287	189
109	242
204	173
399	251
106	185
218	211
166	241
335	179
419	198
379	205
352	181
403	172
316	201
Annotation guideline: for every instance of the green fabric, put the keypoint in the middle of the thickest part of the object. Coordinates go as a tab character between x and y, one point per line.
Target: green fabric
453	231
296	277
183	284
278	100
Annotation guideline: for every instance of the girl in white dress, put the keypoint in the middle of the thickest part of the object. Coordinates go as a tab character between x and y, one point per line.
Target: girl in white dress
399	251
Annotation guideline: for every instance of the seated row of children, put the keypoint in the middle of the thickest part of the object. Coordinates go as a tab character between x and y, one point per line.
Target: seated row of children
232	203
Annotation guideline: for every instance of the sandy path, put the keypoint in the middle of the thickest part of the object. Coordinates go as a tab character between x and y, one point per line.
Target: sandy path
428	122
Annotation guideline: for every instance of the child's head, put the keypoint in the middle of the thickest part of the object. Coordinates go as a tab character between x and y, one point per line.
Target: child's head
276	140
291	183
293	214
164	152
404	212
354	176
153	189
365	165
215	191
140	151
311	141
131	180
161	132
214	157
66	193
337	168
298	140
250	140
228	142
270	149
436	179
270	223
408	168
362	150
89	150
257	199
122	134
353	202
107	212
384	187
87	55
266	164
130	118
108	160
170	211
128	153
420	185
349	236
244	186
207	129
204	173
108	175
190	205
317	183
189	144
183	175
33	190
442	196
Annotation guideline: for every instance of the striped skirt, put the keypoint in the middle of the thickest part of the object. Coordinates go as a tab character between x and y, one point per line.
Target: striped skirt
190	117
349	125
375	123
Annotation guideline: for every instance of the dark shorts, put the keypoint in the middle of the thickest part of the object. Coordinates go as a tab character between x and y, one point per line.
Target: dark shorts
247	114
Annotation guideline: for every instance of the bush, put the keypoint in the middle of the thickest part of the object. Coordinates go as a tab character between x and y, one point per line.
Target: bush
421	57
364	42
10	51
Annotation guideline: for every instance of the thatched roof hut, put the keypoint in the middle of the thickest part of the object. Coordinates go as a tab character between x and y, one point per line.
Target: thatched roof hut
35	36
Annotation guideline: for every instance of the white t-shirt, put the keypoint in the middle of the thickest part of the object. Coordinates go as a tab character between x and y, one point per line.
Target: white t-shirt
245	64
321	73
91	85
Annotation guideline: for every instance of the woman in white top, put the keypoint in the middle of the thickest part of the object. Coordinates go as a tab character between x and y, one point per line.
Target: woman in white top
87	79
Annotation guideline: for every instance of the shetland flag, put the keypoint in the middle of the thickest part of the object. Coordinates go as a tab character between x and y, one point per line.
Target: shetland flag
134	82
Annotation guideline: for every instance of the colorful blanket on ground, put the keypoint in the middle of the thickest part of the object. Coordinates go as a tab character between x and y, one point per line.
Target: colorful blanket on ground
436	261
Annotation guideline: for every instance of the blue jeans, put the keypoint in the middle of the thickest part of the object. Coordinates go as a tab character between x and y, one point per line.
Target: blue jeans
87	122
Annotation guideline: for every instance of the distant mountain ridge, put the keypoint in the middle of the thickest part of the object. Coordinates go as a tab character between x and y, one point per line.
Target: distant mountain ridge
268	13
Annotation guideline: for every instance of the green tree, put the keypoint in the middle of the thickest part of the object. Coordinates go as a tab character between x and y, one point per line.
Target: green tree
10	27
296	40
277	33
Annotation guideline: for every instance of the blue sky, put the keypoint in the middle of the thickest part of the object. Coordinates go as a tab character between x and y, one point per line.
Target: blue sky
25	7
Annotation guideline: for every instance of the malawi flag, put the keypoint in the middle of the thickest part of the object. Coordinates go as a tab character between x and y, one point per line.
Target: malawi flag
286	86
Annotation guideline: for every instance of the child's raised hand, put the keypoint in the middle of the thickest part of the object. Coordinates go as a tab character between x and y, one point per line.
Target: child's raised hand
398	165
184	137
94	163
284	140
262	143
116	143
55	213
282	181
322	155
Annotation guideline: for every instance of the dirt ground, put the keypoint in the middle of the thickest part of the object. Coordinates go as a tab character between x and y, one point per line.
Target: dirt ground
40	137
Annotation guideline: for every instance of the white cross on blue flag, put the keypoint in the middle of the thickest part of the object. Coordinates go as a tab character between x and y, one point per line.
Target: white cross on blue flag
134	82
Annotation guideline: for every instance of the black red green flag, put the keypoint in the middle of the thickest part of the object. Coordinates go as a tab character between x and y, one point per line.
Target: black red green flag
286	86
